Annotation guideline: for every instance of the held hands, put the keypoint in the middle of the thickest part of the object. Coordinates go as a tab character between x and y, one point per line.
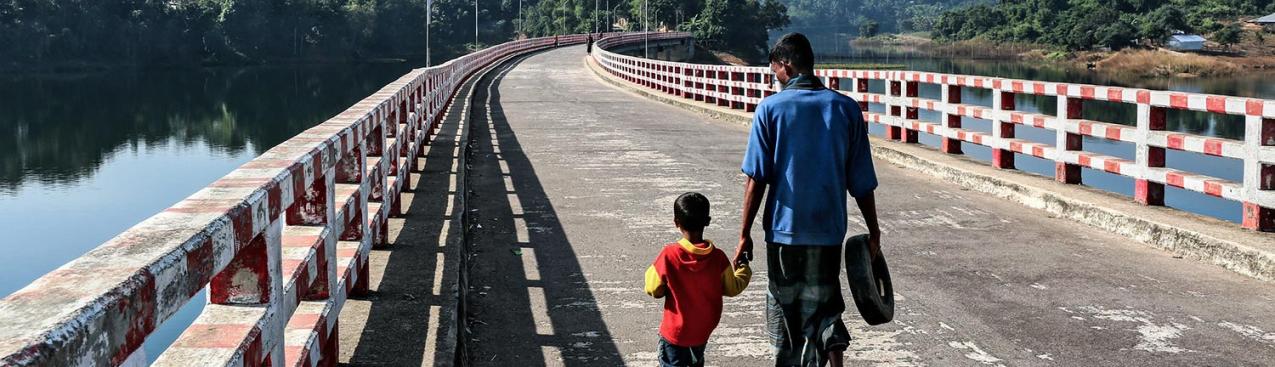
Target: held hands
743	252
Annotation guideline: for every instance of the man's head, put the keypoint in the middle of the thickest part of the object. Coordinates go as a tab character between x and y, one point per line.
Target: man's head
690	212
792	55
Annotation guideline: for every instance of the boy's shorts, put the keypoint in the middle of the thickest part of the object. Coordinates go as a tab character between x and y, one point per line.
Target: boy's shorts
675	356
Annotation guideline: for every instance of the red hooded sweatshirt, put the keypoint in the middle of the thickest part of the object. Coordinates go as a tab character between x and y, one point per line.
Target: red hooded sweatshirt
694	277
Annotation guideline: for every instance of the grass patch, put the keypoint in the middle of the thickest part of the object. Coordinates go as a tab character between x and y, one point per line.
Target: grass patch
1161	63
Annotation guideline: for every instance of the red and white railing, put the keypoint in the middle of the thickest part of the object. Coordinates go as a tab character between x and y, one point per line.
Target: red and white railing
280	242
743	88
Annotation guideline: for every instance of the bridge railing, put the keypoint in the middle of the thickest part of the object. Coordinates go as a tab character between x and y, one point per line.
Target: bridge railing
279	243
743	88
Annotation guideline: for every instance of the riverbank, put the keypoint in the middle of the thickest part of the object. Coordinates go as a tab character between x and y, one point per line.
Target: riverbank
1252	53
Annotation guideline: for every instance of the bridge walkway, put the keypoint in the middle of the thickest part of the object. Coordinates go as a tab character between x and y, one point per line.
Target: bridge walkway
572	183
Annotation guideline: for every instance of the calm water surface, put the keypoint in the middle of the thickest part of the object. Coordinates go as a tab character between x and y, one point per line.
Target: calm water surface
85	156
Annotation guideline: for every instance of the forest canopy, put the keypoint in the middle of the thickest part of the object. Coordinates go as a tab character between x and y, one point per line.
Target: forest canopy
103	33
1089	24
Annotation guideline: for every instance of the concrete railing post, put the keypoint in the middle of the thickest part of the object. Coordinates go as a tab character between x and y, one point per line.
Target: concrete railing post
1002	128
910	90
951	95
895	90
721	79
254	278
753	79
1150	118
861	86
1259	177
1069	109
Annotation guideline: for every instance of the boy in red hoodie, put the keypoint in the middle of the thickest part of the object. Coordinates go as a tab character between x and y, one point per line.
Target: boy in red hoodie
693	276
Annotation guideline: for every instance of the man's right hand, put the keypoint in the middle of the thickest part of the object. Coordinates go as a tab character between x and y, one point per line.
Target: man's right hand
744	252
874	245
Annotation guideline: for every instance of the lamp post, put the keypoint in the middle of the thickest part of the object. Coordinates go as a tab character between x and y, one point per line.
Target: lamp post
475	24
646	28
429	10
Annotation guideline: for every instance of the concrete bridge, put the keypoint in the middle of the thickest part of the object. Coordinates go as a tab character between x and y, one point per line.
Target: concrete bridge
499	210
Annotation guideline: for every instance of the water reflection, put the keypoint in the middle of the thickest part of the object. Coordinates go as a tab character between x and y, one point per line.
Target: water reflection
60	128
84	157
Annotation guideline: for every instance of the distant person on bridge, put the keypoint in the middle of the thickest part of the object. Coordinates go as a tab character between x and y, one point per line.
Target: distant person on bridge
808	148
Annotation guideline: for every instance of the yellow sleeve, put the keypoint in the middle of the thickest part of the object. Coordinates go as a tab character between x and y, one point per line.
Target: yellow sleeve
734	280
654	283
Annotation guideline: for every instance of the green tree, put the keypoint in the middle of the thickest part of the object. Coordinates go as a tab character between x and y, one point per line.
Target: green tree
1228	35
869	28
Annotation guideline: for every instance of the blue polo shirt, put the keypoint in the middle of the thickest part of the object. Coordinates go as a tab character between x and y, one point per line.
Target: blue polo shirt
809	145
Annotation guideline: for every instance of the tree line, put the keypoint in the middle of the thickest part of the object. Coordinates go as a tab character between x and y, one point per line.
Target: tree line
52	34
738	26
830	23
1090	24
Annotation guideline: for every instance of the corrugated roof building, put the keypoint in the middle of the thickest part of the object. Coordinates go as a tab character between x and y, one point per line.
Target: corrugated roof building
1186	42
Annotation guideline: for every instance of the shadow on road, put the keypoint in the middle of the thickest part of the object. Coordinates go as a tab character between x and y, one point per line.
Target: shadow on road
529	302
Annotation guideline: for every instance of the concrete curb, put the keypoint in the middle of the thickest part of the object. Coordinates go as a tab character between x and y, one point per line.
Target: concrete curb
457	247
1184	234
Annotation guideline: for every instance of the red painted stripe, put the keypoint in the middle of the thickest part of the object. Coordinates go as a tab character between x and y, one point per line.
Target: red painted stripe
1016	146
1084	160
220	336
1087	92
1038	121
1038	151
1175	179
1213	147
1113	133
1254	107
1086	128
1039	88
1115	94
1177	141
996	84
1111	166
1017	86
1215	104
1178	100
1213	188
1016	118
1061	89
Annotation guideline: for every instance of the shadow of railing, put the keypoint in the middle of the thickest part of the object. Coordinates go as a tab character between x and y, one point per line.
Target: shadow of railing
529	302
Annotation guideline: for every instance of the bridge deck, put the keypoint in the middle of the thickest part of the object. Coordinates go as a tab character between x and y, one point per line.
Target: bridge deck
572	186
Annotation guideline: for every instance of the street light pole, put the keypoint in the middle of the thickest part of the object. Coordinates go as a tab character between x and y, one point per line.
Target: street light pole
646	28
475	24
429	10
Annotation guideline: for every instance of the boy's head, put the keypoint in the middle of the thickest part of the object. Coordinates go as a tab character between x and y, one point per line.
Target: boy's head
690	212
792	55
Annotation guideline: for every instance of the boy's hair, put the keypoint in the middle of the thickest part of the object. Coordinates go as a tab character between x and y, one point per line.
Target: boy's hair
794	49
690	211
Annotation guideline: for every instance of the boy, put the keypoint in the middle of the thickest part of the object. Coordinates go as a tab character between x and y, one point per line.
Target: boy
694	276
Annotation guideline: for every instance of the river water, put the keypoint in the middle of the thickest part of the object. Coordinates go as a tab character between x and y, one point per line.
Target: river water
85	156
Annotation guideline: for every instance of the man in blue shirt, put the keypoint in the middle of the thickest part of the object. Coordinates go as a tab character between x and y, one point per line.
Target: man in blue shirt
808	148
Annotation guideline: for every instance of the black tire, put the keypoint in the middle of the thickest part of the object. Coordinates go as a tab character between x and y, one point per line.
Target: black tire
869	283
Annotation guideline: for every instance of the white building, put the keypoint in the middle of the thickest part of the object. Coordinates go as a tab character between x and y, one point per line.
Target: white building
1186	42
